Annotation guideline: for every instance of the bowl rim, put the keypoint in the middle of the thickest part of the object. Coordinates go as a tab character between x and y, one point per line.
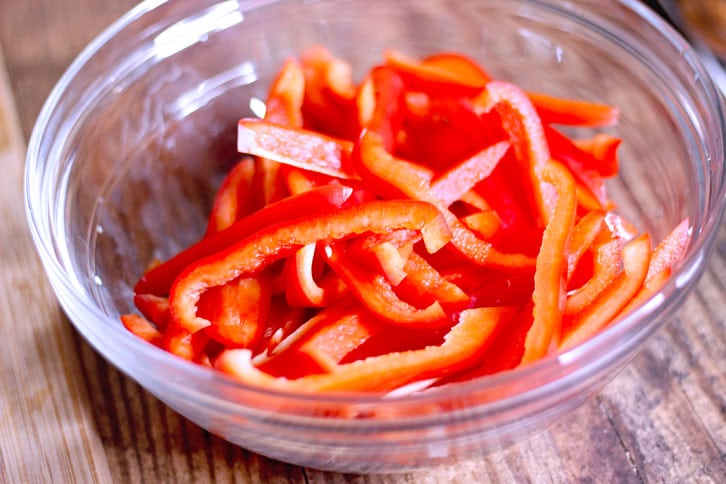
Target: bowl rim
595	352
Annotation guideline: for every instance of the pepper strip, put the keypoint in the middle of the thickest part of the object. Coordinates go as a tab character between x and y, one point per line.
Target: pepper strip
462	346
232	199
452	185
324	199
551	266
283	239
526	134
375	293
302	148
636	257
573	112
389	175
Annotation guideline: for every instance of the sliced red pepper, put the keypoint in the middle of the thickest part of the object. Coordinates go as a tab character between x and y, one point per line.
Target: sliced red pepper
322	200
154	308
670	250
458	66
233	197
375	293
329	105
142	328
578	161
551	267
607	266
281	240
391	176
237	311
301	148
287	94
444	131
583	237
439	77
573	112
604	150
458	180
424	284
609	303
462	346
662	262
302	288
386	99
521	121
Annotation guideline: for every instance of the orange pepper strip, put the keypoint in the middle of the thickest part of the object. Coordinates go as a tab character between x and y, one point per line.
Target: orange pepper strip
390	175
283	239
302	148
609	303
376	294
526	134
463	345
608	266
551	266
573	112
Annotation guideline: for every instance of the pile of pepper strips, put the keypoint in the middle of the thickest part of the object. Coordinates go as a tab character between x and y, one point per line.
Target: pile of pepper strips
424	226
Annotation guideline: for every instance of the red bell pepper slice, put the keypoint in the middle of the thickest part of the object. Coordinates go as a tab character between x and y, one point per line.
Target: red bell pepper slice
329	104
462	346
521	121
142	328
459	179
579	163
233	199
302	289
237	311
381	105
607	266
287	94
548	295
573	112
376	294
604	150
281	240
609	303
393	177
301	148
582	238
438	77
663	260
322	200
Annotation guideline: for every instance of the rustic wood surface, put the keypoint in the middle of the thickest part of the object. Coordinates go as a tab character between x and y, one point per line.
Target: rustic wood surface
68	416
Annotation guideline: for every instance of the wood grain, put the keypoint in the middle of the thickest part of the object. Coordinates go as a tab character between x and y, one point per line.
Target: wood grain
66	415
48	430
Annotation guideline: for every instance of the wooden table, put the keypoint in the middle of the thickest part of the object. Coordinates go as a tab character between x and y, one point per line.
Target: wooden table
67	416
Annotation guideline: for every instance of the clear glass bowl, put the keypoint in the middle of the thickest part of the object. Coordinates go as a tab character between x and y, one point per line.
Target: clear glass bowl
132	142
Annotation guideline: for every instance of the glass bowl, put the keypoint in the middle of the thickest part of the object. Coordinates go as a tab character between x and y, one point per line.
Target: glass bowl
133	141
